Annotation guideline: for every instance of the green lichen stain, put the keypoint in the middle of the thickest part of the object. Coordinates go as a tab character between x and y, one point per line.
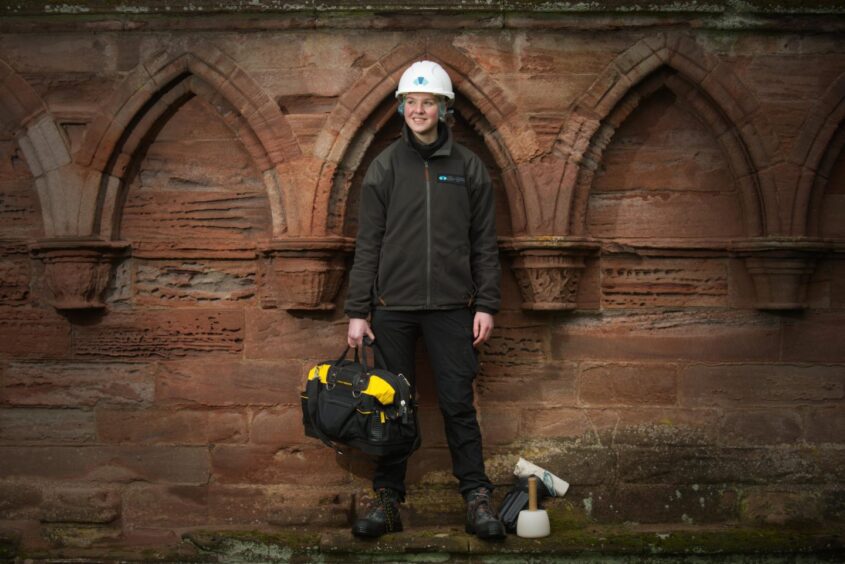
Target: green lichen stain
288	538
8	546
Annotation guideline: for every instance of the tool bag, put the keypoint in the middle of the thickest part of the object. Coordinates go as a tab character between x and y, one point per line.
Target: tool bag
347	403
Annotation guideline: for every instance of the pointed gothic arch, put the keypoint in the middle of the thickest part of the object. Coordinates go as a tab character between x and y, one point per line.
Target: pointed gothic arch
820	140
709	87
165	82
360	113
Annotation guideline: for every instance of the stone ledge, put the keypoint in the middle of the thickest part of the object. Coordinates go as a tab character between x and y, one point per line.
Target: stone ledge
86	7
609	542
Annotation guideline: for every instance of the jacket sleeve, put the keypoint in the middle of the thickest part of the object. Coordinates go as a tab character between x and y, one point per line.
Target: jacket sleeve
371	224
484	254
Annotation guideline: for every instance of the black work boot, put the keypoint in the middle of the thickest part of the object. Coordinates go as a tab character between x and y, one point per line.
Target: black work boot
481	520
382	516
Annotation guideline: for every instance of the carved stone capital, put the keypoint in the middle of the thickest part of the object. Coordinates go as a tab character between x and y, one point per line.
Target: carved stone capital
548	269
780	270
303	273
77	271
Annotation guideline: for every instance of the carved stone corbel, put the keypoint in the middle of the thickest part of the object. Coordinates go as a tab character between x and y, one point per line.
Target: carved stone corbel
780	270
303	273
548	269
77	271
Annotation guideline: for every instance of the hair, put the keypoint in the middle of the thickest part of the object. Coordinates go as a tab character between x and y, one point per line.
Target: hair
444	113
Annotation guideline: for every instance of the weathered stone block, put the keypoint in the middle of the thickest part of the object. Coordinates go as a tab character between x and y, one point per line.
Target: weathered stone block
19	500
430	465
55	426
689	504
76	384
655	426
156	334
559	422
81	504
427	506
196	181
153	506
26	332
248	504
627	384
281	426
107	463
313	507
14	278
19	206
780	508
81	536
707	465
194	282
275	334
663	282
833	504
814	338
227	383
499	424
759	384
517	339
580	466
162	426
824	424
711	336
767	426
547	383
269	465
636	214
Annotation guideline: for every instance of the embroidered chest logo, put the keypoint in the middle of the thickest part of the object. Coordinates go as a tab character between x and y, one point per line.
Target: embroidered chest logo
451	179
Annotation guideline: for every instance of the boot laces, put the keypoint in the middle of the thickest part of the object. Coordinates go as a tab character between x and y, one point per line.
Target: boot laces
387	503
480	502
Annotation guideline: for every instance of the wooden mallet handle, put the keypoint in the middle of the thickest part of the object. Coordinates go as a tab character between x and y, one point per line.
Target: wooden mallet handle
532	493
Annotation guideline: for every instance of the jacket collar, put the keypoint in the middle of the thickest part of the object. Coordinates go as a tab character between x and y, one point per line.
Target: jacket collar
444	151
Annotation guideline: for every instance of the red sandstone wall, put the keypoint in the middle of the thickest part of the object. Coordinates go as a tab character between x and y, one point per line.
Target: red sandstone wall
666	396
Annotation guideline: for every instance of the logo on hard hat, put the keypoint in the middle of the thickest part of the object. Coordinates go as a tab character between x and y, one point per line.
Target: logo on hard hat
420	81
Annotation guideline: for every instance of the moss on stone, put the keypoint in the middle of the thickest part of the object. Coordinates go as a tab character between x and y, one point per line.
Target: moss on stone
295	539
9	546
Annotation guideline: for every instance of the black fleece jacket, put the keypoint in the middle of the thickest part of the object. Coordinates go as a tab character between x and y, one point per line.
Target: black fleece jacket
426	233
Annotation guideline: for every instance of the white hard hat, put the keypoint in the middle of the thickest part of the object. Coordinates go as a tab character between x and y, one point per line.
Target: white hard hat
425	76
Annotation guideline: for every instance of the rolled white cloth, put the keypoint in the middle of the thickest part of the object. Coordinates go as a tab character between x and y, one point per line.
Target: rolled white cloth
556	486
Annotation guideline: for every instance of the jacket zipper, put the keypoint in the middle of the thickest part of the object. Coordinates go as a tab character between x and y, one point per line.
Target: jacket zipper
428	235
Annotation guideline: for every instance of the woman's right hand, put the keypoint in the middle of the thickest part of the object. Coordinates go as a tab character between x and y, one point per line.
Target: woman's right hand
357	329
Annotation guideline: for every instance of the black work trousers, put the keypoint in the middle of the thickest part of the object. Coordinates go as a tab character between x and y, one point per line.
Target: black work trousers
448	339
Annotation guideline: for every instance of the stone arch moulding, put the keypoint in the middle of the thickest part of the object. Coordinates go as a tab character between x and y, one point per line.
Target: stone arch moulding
153	87
44	146
819	142
75	267
295	272
357	117
779	268
733	109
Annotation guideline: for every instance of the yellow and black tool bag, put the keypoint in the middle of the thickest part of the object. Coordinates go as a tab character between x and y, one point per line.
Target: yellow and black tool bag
347	403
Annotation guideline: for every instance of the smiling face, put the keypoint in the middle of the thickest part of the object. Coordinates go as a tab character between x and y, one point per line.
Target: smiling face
421	115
